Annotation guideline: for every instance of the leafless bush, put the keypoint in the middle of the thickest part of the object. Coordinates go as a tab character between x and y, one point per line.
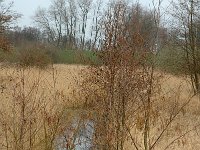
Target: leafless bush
33	109
34	56
125	91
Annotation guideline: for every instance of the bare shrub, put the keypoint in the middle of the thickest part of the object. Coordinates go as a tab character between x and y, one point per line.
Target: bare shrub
125	91
34	56
33	109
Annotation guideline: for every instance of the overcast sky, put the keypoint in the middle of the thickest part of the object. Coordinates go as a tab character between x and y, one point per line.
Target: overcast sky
28	8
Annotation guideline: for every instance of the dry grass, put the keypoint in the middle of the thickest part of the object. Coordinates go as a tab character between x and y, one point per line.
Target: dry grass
176	91
45	96
65	81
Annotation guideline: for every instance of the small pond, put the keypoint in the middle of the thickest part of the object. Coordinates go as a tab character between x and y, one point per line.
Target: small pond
80	135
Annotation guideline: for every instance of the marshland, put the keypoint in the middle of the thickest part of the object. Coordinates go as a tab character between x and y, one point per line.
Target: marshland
94	74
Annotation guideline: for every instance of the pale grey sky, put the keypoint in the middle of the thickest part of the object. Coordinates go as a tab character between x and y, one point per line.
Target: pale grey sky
28	8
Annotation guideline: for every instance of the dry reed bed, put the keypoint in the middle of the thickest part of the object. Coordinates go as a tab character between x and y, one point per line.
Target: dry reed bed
61	78
183	133
33	102
48	92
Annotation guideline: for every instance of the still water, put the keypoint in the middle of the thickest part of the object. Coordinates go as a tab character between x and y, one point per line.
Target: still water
81	137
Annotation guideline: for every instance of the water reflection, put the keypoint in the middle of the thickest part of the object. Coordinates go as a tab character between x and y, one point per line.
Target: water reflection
78	137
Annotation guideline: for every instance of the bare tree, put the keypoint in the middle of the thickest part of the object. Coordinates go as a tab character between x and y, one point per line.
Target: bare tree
96	24
57	13
125	89
186	14
42	19
72	23
7	17
85	6
52	21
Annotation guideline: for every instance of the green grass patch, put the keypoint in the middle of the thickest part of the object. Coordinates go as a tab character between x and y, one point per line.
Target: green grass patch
76	57
57	56
171	59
